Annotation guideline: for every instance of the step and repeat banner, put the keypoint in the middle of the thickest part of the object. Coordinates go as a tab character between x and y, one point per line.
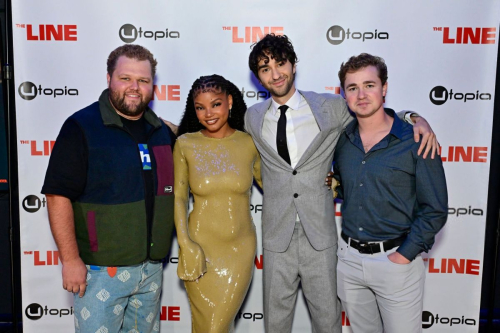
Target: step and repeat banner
441	57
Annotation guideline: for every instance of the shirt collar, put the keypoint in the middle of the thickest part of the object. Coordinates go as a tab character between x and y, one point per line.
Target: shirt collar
396	129
293	103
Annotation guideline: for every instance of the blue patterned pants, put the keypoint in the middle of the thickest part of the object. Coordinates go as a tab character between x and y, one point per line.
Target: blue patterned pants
120	299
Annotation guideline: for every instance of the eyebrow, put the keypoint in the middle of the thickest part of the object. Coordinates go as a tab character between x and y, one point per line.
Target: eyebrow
213	101
364	82
262	66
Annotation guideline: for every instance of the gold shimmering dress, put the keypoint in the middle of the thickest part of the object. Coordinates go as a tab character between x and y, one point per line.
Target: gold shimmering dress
218	243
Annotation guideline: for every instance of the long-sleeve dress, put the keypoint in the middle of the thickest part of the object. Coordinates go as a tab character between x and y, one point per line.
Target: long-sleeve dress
218	240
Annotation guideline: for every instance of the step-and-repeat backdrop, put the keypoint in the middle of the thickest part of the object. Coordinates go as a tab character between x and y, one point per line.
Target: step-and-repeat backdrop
441	57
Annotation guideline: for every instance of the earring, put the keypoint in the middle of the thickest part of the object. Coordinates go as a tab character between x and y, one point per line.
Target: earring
230	112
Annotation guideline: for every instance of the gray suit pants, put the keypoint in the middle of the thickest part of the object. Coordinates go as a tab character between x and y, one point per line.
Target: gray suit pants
315	271
379	295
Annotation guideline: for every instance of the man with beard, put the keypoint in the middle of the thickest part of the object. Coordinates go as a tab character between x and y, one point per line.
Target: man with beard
295	133
109	188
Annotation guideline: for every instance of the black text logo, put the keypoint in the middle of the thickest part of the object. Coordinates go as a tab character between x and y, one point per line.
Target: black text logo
440	95
336	35
32	203
34	311
129	33
465	211
28	91
428	319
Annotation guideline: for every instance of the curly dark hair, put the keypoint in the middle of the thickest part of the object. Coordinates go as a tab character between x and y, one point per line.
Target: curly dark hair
131	51
363	60
277	47
189	122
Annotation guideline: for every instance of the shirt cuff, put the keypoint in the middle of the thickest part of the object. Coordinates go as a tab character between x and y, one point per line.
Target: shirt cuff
408	115
409	250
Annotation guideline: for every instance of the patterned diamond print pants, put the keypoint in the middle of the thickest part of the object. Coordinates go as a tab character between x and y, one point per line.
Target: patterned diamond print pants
120	299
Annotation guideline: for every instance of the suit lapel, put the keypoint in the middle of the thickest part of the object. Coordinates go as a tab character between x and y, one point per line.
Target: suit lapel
321	115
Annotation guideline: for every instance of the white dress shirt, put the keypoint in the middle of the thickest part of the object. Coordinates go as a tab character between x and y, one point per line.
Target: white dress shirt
301	126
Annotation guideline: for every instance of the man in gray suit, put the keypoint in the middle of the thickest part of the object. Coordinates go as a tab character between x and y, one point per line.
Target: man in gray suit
296	133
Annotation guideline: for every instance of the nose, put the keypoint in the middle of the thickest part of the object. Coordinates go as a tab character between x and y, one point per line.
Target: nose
276	74
134	84
361	93
208	112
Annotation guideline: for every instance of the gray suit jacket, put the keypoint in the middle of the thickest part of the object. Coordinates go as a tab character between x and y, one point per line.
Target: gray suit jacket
301	190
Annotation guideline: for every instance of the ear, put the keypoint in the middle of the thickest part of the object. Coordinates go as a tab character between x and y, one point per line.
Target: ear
384	88
108	78
294	68
230	101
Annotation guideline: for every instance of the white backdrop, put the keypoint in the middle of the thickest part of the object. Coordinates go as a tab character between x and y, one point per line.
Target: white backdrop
441	57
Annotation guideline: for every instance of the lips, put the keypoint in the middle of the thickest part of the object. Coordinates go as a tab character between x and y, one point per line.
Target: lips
211	121
279	82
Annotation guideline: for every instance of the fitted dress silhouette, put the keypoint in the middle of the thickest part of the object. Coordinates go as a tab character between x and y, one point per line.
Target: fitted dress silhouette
217	248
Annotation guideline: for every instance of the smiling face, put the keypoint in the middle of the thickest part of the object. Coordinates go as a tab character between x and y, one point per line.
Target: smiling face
278	78
130	86
364	92
212	109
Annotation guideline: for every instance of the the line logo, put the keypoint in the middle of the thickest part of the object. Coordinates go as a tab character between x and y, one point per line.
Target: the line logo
49	32
467	35
252	34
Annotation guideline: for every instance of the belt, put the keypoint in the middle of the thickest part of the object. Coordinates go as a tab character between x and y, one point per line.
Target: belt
372	248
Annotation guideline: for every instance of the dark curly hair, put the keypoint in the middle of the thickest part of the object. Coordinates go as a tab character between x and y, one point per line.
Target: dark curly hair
278	47
189	122
131	51
363	60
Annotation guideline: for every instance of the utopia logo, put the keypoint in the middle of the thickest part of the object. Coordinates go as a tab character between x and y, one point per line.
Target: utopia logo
440	95
336	35
429	319
28	91
32	203
35	311
129	33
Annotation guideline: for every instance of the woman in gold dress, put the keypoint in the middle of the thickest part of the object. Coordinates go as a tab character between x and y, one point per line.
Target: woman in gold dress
216	160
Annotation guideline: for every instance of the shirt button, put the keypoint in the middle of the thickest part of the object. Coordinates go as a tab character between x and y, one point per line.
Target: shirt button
363	162
361	184
295	195
360	207
360	229
294	172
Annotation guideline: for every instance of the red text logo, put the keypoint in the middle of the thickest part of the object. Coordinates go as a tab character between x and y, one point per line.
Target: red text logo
167	93
259	262
39	148
336	90
467	35
252	34
451	265
345	320
464	154
47	258
60	32
338	208
170	313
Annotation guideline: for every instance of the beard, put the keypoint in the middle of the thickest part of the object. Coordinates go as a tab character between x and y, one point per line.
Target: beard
130	109
283	91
